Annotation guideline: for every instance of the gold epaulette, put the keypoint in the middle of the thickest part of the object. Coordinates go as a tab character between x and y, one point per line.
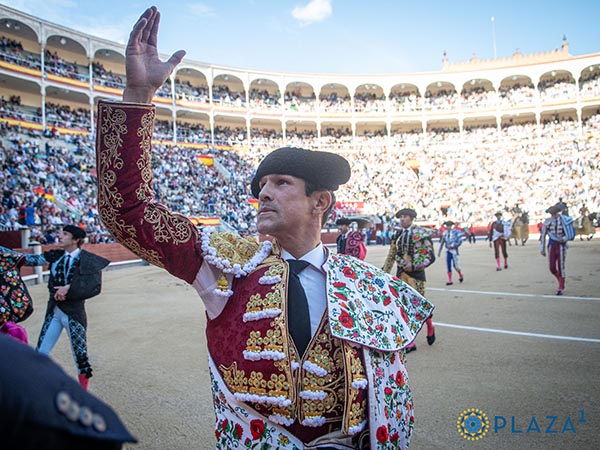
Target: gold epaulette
235	249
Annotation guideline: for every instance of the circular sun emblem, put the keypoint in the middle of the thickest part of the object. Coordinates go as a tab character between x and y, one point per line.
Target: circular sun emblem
473	424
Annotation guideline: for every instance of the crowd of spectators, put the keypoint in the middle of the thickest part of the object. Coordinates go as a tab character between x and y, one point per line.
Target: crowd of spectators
185	90
224	96
295	101
442	100
13	52
369	102
195	133
106	77
56	65
47	183
517	95
188	186
67	117
555	89
475	175
405	101
335	103
479	98
263	99
265	138
13	109
589	84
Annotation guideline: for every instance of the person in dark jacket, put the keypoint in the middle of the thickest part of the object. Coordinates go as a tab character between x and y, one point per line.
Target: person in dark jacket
43	408
75	276
344	226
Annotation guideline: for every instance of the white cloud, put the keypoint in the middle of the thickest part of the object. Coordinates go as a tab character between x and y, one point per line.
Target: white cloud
201	10
314	11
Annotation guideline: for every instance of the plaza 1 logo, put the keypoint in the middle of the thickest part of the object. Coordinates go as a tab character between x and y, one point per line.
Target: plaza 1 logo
473	424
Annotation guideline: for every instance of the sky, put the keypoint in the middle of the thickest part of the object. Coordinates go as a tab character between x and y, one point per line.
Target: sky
338	36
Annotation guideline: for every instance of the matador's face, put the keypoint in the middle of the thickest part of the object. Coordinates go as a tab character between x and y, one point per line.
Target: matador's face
405	220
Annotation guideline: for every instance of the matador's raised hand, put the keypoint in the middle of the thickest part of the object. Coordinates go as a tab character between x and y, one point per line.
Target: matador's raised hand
144	70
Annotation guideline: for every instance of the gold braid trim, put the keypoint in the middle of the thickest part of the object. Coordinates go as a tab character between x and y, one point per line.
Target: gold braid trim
354	412
389	260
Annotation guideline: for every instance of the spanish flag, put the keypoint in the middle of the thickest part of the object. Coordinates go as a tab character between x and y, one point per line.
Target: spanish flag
253	202
207	160
208	221
46	193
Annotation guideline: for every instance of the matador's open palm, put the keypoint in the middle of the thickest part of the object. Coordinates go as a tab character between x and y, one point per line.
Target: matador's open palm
144	70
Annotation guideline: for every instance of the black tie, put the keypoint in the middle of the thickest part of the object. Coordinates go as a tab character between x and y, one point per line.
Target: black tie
298	315
67	263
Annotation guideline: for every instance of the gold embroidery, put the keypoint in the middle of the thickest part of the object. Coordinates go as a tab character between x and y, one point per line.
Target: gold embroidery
341	362
257	303
325	352
238	382
235	379
278	385
357	368
168	227
275	270
354	413
235	249
272	342
257	384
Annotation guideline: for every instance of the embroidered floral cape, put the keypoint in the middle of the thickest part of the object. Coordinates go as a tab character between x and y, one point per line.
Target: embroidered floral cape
421	252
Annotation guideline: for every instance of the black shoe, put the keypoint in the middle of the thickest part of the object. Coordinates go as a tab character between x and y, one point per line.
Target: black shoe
498	269
460	280
506	266
559	292
410	349
431	339
449	283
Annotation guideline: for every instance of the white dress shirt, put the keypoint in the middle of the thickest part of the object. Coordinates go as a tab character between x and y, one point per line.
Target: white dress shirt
313	280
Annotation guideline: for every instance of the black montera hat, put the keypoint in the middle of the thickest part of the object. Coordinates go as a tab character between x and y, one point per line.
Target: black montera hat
406	212
448	223
343	221
324	170
78	233
554	209
498	214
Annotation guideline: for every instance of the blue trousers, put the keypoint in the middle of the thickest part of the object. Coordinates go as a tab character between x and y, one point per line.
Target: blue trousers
452	260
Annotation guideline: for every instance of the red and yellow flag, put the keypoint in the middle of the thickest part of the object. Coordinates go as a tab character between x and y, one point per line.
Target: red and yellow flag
207	160
253	202
208	221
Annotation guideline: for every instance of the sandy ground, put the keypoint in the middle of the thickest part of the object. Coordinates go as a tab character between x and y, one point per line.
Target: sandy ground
147	346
